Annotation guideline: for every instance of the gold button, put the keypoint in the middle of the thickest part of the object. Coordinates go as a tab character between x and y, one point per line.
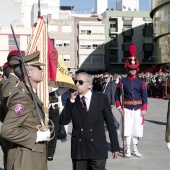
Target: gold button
80	140
81	129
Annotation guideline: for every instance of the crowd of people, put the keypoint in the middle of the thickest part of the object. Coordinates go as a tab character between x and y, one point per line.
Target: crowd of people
158	83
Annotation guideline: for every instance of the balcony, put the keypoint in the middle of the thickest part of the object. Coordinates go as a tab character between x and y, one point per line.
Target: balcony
148	47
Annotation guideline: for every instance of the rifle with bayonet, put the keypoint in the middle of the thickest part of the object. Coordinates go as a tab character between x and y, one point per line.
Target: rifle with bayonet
41	127
123	121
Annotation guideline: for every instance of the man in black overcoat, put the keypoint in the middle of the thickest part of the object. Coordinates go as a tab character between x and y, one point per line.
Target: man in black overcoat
88	110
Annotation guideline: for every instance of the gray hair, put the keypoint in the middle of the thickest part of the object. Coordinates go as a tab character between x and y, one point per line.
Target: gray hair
89	77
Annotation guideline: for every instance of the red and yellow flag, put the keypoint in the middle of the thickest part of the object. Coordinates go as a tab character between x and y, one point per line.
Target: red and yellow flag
58	73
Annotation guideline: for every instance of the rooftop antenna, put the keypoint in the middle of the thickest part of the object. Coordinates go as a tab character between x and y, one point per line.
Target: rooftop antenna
39	9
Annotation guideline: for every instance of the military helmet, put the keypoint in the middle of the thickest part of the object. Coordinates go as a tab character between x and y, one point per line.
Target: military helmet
132	62
30	60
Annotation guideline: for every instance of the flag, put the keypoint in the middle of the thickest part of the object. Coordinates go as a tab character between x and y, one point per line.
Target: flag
58	74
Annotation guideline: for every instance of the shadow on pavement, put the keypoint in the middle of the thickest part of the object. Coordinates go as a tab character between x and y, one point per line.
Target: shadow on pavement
1	169
156	122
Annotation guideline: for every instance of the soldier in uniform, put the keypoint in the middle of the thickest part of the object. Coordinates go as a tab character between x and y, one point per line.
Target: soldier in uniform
135	103
27	144
10	80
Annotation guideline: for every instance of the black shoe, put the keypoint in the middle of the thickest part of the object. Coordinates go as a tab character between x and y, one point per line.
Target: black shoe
50	158
64	140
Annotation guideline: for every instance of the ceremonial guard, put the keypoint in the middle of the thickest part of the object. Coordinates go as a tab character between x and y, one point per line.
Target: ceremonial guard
134	103
10	80
27	144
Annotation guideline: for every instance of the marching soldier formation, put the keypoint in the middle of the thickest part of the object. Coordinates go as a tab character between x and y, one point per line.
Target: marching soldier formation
89	109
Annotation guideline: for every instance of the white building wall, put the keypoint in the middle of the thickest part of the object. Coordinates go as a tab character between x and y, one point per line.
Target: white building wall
101	6
10	12
4	41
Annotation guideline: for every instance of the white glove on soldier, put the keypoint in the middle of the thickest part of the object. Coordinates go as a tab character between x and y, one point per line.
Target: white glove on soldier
42	135
168	145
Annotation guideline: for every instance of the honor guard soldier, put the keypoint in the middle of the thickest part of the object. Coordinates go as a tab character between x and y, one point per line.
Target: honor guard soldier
10	80
28	145
134	104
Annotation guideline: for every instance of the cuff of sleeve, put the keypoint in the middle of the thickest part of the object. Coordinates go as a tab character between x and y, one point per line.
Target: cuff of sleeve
118	104
72	101
144	106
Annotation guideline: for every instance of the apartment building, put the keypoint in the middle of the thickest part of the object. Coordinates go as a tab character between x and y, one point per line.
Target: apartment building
124	28
79	40
161	22
90	43
8	44
62	32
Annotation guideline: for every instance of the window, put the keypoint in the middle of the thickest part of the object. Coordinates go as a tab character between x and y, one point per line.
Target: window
91	29
58	43
12	41
97	29
84	59
85	44
91	59
97	44
127	24
52	28
127	39
66	28
66	57
66	43
97	59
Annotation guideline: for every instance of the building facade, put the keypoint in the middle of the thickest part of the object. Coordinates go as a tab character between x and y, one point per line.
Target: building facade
8	44
124	28
161	22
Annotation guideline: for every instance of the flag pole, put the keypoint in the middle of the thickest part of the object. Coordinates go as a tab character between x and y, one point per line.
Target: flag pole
39	9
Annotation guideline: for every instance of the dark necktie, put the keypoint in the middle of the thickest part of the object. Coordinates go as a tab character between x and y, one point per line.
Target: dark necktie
104	86
84	103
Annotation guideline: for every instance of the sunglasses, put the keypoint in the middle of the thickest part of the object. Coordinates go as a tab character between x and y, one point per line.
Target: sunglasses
105	77
80	82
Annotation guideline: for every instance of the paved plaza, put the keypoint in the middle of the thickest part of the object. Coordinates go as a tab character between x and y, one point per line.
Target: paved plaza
156	156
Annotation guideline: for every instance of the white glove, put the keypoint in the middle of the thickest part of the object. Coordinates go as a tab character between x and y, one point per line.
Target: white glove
168	145
42	135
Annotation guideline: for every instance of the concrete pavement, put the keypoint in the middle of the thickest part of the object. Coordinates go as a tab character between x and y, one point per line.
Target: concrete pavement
156	156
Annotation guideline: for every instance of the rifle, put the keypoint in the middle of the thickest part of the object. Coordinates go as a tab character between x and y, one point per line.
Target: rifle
41	127
123	120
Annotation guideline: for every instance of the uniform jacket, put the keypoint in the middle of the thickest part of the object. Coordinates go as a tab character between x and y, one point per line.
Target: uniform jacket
19	128
6	89
134	89
88	135
110	92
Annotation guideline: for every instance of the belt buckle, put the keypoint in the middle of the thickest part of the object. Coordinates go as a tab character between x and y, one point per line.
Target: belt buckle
133	102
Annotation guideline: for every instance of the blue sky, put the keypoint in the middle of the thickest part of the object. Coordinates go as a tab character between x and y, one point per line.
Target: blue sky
83	6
